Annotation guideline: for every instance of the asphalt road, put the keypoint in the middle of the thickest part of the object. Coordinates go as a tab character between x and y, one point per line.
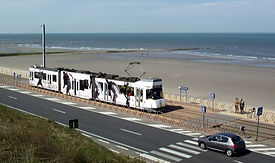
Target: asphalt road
141	138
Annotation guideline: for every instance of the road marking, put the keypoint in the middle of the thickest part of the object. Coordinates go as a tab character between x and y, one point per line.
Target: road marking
262	149
159	126
237	161
87	108
269	153
68	103
37	95
83	134
190	146
114	150
248	142
175	152
25	92
255	145
52	99
103	141
184	149
153	158
108	113
132	119
176	130
3	86
166	156
13	97
59	111
196	139
122	147
132	132
192	134
191	142
201	136
13	89
113	141
183	132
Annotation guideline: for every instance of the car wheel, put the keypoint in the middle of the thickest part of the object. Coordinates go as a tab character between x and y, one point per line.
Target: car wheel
202	145
229	152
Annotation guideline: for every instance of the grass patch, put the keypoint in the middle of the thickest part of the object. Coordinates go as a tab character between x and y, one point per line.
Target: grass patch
25	138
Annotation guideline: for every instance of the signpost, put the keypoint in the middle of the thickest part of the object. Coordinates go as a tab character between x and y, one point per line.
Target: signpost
183	90
203	110
259	112
213	96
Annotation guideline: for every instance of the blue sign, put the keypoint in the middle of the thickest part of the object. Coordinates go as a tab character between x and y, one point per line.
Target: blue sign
183	89
203	109
260	111
213	96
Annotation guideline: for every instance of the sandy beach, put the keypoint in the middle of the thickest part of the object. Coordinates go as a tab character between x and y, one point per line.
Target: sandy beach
254	84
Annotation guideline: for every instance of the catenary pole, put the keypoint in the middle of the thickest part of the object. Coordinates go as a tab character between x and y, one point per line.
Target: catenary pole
44	45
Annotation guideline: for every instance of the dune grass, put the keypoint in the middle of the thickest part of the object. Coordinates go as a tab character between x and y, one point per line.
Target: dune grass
26	138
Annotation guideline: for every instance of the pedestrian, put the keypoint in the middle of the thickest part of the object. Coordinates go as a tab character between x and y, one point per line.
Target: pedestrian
237	105
242	106
242	131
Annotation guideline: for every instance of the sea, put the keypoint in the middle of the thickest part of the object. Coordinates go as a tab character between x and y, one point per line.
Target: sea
254	49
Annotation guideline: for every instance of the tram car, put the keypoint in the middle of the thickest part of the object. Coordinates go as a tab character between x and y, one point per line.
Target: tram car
144	94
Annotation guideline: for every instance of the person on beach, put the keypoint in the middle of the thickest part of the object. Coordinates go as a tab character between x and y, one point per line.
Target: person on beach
237	105
242	106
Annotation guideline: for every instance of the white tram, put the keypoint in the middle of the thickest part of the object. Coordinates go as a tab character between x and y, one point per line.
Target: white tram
125	91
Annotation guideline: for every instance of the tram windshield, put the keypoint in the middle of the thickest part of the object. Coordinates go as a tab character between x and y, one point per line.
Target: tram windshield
154	93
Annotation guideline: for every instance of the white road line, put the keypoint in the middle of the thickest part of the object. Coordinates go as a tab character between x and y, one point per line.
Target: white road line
108	113
201	136
132	119
247	142
159	126
13	89
113	141
269	153
237	161
176	130
114	150
175	152
166	156
261	149
52	99
191	146
196	139
86	135
68	103
3	86
152	158
37	95
103	141
132	132
191	142
122	147
255	145
13	97
183	132
192	134
25	92
59	111
183	149
87	108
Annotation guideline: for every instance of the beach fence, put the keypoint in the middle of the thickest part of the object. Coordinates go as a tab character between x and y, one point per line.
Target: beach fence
12	71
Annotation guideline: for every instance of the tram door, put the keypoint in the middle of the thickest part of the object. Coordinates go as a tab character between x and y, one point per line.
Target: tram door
139	97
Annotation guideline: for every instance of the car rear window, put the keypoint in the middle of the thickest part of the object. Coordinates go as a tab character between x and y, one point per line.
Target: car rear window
237	140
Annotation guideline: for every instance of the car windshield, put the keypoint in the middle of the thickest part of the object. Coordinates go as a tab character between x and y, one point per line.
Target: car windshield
154	93
237	140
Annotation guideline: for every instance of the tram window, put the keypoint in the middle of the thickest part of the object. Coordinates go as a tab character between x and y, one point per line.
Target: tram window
130	91
44	76
154	93
36	75
84	84
122	89
54	78
101	85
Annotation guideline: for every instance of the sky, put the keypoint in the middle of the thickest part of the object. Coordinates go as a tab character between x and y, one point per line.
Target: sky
137	16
